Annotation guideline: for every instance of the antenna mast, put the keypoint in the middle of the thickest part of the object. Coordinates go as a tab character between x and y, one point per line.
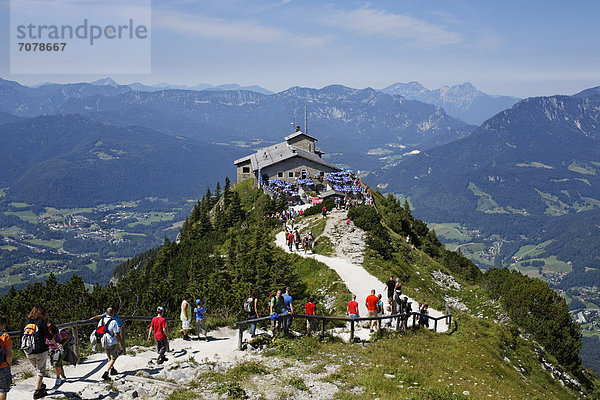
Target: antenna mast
306	119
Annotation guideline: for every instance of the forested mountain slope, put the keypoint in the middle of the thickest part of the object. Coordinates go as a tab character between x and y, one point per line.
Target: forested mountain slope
73	161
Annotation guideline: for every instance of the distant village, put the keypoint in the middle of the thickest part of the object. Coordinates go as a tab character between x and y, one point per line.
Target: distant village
80	226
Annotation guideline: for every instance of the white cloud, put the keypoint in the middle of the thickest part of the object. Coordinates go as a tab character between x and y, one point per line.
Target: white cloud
233	31
372	22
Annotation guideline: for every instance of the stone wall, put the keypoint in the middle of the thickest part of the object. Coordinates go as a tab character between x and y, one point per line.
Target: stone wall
241	174
295	166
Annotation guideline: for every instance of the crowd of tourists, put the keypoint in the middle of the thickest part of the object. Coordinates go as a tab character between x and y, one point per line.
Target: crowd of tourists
295	240
41	340
281	306
286	217
281	309
396	304
344	182
281	188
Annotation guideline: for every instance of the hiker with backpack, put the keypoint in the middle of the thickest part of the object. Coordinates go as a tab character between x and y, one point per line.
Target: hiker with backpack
276	305
251	307
6	358
33	344
120	322
158	326
58	355
199	314
109	335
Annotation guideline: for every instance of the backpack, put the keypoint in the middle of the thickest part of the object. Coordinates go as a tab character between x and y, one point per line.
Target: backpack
102	329
2	354
71	341
248	304
31	341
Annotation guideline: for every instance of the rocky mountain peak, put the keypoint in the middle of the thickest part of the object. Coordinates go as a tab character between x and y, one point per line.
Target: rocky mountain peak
105	82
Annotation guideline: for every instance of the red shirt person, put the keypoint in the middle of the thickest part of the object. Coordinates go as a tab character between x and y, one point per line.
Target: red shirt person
159	327
371	304
310	308
353	308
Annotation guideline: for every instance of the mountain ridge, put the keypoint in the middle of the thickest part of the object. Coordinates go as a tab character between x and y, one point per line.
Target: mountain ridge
463	101
71	160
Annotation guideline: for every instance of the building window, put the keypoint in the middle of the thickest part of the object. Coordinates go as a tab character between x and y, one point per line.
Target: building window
290	174
246	170
297	174
280	174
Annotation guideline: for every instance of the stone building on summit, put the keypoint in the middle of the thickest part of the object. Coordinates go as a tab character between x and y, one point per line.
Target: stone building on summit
296	158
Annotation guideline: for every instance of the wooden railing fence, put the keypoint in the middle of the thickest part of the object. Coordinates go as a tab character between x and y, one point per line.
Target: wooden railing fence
74	326
399	318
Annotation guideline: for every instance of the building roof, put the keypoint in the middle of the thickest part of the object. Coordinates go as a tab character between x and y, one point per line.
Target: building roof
299	133
281	152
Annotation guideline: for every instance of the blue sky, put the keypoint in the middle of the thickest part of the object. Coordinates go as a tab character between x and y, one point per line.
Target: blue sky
520	48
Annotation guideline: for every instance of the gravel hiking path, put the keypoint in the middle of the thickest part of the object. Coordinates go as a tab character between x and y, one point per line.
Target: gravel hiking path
349	245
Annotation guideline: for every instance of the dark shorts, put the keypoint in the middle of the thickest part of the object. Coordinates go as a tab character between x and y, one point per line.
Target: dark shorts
162	346
5	380
56	357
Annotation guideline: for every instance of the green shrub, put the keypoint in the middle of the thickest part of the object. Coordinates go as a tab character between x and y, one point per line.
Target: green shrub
232	389
317	208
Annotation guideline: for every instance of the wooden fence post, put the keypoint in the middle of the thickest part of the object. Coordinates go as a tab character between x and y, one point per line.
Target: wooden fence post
124	335
76	335
240	336
323	329
378	324
351	330
414	319
398	323
435	326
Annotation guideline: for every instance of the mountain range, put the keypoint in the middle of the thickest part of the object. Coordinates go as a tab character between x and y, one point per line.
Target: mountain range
551	144
462	101
349	123
73	161
366	119
526	174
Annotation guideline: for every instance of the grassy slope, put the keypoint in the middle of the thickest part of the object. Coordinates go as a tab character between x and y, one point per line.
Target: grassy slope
471	358
425	365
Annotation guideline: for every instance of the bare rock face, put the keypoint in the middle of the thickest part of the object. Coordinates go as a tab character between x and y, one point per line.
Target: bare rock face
348	240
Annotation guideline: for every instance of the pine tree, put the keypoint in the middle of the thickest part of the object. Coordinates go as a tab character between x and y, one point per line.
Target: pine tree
218	192
234	213
226	193
208	198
